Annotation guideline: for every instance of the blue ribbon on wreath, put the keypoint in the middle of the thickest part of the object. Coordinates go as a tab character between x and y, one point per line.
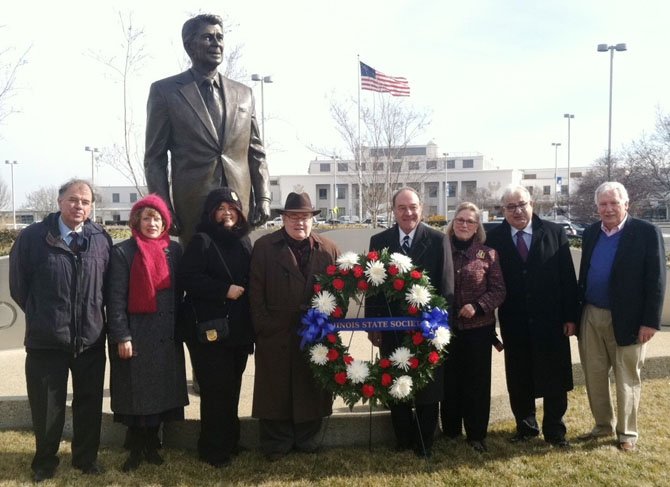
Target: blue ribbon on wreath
316	325
432	320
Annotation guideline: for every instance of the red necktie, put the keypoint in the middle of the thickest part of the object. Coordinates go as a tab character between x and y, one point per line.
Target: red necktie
521	246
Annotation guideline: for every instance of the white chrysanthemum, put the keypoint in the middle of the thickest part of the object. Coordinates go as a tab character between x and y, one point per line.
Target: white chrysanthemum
401	261
402	387
324	302
442	337
318	354
400	358
375	272
418	295
358	371
347	260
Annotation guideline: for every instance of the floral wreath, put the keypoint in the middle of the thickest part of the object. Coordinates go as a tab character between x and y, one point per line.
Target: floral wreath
409	368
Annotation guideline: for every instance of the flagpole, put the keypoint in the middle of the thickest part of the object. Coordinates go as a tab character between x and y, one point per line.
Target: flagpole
358	145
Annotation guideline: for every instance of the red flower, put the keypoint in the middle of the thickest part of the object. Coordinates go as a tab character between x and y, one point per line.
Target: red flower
358	271
393	270
413	362
417	339
415	274
387	380
331	337
317	288
331	270
337	312
341	378
412	310
367	390
384	363
433	358
344	272
338	283
398	284
348	359
373	255
362	285
332	354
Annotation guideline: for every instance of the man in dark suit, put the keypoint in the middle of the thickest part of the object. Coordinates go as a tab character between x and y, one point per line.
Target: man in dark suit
537	316
429	250
208	124
622	284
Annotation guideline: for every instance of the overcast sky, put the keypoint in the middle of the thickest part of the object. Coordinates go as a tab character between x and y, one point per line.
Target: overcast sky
497	76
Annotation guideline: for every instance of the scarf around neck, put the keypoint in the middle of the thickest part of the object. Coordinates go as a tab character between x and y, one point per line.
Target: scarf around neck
149	272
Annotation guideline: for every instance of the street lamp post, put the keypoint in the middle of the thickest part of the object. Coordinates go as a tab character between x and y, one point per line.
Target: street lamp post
93	151
569	116
263	80
611	49
556	146
446	187
334	211
11	165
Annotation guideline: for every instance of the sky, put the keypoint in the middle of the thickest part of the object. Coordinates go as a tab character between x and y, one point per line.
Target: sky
496	77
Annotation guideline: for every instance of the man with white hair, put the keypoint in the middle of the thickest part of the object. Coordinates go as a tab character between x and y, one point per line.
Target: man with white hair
622	283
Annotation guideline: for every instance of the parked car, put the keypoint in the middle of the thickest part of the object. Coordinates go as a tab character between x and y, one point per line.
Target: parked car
488	226
276	222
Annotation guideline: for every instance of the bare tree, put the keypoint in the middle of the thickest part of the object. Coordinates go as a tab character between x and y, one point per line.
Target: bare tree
10	65
5	194
126	157
42	201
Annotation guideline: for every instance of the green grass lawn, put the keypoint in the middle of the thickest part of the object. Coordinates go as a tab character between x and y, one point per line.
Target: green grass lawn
453	463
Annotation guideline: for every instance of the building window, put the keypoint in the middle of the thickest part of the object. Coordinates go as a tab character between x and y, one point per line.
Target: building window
530	190
362	166
116	197
342	167
377	166
432	210
355	191
576	174
341	191
413	165
323	194
396	166
564	189
546	190
431	164
133	197
274	183
324	167
451	163
468	188
452	189
468	163
431	189
530	176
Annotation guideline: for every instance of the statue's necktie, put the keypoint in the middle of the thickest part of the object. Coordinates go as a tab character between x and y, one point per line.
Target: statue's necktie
213	104
405	245
521	246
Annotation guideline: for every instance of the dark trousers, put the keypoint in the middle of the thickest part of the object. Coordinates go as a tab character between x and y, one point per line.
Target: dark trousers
411	432
521	388
219	372
46	379
281	436
467	384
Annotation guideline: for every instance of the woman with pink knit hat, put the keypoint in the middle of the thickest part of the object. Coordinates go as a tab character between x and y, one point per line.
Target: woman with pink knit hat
148	380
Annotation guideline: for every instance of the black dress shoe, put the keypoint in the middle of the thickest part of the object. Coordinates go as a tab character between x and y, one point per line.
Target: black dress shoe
478	446
520	438
42	474
93	469
559	442
133	461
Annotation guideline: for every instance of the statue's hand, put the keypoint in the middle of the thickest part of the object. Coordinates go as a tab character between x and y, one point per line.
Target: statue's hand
262	213
175	229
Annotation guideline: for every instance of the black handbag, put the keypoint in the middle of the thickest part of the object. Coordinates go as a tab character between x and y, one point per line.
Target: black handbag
217	329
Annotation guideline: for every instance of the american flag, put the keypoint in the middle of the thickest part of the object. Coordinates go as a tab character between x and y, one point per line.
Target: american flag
374	80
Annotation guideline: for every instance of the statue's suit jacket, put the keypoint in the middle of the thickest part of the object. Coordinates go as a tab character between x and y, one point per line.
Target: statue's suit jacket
201	158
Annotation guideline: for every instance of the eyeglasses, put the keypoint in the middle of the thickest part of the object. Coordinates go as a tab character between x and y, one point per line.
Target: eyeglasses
298	218
463	221
518	206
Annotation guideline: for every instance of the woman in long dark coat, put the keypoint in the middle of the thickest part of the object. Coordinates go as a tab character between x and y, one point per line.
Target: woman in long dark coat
215	289
148	380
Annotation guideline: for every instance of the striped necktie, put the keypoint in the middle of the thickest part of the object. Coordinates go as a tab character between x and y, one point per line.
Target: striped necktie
405	244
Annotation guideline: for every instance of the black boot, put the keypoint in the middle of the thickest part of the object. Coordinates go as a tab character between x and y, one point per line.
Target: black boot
151	446
134	442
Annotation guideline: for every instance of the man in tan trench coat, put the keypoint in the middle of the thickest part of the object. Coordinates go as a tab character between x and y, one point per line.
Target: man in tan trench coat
287	400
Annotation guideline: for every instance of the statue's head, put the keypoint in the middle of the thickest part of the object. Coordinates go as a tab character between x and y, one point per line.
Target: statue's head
202	36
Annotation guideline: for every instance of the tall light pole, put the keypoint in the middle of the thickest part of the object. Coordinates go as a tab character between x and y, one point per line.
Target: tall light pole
569	116
334	211
446	187
556	146
11	165
263	80
93	151
611	49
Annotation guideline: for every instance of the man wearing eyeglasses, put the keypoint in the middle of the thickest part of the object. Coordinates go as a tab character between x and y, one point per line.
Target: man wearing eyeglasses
537	317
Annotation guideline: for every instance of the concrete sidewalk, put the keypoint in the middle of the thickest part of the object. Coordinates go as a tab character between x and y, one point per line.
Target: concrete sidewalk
343	428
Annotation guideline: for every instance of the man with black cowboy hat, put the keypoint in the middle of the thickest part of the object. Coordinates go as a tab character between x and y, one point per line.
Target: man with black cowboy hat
287	400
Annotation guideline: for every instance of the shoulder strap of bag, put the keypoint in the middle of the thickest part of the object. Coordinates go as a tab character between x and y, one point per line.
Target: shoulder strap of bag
216	247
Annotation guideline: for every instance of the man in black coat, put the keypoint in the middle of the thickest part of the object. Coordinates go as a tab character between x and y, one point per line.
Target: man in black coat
622	284
537	316
429	250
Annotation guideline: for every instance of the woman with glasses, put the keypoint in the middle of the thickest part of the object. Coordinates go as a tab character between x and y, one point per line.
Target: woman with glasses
478	290
215	274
